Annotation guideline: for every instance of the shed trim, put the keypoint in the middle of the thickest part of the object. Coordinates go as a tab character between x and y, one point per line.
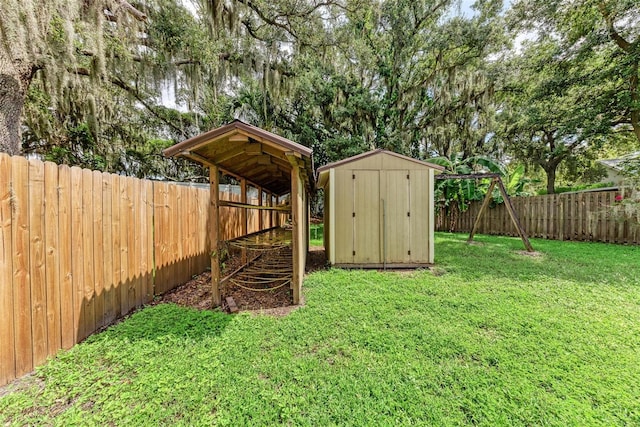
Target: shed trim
374	152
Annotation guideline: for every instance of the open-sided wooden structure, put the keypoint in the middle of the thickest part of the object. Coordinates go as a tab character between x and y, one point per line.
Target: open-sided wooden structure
378	210
270	163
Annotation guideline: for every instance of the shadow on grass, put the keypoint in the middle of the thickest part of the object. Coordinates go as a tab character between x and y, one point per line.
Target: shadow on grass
168	320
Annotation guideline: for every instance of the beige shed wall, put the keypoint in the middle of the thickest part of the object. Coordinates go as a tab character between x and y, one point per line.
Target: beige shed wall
380	212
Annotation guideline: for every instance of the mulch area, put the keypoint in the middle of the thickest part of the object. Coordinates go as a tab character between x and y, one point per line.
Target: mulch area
196	293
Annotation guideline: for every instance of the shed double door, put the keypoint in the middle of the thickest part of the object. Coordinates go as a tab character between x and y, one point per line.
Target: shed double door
381	217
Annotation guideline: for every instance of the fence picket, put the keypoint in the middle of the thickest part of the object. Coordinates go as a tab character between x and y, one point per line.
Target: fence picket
67	322
7	341
21	278
52	264
98	251
107	241
36	261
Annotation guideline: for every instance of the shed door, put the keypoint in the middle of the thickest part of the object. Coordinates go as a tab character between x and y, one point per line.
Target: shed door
419	200
366	216
397	217
343	221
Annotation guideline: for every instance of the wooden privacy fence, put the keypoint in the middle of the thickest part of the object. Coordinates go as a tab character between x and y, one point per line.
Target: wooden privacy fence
588	216
80	248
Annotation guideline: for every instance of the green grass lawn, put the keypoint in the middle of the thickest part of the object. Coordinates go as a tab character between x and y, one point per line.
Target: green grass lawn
493	338
315	234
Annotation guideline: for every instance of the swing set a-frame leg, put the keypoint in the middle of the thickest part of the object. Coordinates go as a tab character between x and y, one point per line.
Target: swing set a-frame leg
510	209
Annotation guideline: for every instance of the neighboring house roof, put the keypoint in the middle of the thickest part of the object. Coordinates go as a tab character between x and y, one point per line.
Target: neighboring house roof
616	164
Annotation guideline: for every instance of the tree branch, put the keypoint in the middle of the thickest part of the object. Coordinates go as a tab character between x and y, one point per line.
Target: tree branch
613	33
124	86
140	16
268	20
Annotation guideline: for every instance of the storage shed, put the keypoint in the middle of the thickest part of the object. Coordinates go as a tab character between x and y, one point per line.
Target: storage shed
378	210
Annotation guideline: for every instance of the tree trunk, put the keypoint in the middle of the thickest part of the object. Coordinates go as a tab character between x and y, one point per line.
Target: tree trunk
550	170
14	81
635	97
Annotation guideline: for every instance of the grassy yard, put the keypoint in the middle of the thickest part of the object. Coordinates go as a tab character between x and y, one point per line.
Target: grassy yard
492	338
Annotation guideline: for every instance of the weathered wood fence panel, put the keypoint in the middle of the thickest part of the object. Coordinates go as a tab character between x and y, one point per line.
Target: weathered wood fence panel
81	248
589	216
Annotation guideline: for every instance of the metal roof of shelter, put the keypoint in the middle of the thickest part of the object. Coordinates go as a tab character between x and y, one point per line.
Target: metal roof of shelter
244	151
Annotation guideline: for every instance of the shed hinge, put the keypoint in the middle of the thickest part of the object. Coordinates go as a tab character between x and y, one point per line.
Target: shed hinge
353	214
354	253
407	176
353	176
408	252
408	213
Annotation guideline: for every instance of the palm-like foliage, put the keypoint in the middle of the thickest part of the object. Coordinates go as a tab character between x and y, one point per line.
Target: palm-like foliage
454	195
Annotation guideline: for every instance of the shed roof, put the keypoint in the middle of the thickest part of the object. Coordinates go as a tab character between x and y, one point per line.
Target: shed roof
241	150
322	171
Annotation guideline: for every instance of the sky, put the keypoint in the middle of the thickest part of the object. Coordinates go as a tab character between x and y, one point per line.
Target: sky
465	6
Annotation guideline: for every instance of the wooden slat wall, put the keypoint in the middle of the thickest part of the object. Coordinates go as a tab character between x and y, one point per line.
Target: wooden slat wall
82	248
590	216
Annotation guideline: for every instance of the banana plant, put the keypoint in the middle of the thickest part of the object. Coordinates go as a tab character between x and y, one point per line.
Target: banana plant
461	192
515	182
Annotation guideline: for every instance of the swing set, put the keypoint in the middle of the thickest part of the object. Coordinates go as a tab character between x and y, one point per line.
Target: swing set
495	180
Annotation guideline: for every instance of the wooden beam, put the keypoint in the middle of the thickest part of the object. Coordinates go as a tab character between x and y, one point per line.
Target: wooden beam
237	177
483	208
243	215
467	176
265	160
197	158
238	137
514	216
254	149
229	154
278	159
245	165
214	233
263	174
226	203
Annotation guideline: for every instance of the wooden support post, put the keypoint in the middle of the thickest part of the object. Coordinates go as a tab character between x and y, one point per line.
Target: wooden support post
297	232
260	213
270	204
214	233
513	215
277	215
243	216
483	208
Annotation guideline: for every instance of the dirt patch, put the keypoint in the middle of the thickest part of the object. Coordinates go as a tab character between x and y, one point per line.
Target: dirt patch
23	383
438	271
196	293
316	259
533	254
